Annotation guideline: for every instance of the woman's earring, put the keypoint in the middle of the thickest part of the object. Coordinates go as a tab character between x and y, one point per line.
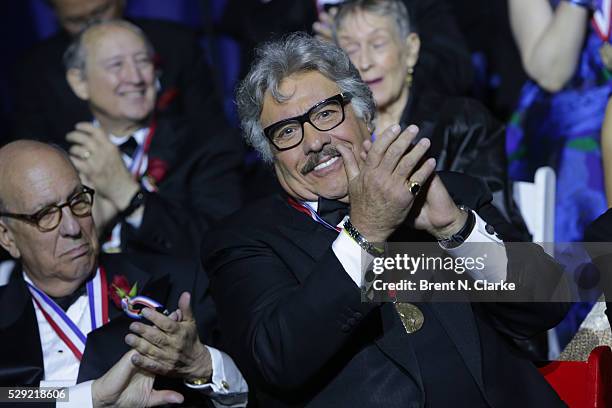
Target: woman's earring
408	79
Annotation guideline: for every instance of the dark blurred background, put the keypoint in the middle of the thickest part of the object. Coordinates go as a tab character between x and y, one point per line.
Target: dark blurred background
228	29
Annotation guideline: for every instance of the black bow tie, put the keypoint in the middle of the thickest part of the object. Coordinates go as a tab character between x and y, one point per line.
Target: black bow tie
332	211
129	146
66	301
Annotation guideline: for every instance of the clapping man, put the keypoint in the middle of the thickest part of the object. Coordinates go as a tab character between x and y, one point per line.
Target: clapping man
47	109
159	183
68	312
286	271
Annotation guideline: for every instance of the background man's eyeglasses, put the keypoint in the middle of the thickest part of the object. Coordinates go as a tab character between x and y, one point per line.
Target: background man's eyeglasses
323	116
48	218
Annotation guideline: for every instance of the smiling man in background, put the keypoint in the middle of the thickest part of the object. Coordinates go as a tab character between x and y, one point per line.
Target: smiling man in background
45	107
160	181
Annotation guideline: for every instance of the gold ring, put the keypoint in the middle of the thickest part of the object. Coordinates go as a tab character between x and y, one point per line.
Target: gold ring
414	187
86	154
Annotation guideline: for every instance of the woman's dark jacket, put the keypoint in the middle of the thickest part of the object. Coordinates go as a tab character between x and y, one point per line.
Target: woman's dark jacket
466	138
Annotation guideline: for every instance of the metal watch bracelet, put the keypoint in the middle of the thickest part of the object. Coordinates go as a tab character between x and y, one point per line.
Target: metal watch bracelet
361	240
137	200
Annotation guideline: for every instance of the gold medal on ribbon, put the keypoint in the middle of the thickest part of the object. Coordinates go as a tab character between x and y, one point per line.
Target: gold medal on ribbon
411	316
605	52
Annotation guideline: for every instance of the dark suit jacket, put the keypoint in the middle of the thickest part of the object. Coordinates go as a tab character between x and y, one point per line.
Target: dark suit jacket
466	138
298	327
202	184
161	278
46	108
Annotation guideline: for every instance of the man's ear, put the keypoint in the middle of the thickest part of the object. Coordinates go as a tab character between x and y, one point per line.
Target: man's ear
7	240
77	82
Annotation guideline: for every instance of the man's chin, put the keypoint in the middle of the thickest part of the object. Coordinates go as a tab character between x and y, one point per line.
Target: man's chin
338	197
85	265
339	193
334	189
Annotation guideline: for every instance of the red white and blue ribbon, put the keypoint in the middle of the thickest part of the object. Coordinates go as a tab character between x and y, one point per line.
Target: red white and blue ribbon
305	208
63	326
98	309
137	169
132	306
138	166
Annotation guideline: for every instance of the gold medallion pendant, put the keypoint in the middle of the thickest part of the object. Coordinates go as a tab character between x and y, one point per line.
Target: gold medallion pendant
411	316
605	51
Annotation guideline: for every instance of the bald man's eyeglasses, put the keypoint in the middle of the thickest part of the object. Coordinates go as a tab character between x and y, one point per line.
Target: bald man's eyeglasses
48	218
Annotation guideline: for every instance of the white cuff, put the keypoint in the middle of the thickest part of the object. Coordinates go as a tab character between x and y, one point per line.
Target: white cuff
227	387
493	251
135	219
349	254
79	396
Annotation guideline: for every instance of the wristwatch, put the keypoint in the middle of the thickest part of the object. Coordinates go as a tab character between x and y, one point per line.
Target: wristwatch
198	381
367	246
137	200
460	236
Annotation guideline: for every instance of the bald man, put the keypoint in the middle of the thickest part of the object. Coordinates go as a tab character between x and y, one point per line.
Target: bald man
159	183
58	325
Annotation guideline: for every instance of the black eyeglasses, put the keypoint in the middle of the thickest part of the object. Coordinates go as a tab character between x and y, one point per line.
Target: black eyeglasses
48	218
325	115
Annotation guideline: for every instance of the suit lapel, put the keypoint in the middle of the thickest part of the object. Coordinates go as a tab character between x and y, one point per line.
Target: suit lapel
312	238
314	242
163	145
131	273
396	344
458	321
106	345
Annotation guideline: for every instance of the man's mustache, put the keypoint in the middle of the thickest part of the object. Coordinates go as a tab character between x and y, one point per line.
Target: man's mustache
314	159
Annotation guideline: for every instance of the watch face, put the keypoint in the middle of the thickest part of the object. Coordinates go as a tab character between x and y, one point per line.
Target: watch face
138	199
135	202
465	231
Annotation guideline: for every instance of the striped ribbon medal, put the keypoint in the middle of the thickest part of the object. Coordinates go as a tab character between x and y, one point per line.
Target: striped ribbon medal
305	208
132	306
64	327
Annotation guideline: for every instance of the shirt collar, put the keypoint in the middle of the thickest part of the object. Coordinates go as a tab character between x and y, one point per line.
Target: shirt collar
313	204
139	135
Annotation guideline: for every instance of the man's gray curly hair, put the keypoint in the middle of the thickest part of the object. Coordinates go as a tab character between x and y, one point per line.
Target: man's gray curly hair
277	60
